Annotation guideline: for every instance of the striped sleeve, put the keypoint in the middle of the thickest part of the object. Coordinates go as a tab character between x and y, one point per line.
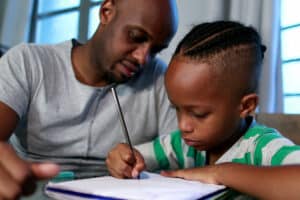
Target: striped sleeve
170	152
272	149
262	146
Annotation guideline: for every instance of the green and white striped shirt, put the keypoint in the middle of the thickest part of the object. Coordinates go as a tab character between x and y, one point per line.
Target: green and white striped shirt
260	146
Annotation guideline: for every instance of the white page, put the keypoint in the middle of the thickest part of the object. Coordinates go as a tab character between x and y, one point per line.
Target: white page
149	186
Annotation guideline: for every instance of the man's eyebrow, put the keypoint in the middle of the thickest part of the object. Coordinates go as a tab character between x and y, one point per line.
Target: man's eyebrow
156	48
135	27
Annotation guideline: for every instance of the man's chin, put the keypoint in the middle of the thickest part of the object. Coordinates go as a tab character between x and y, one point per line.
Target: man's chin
112	78
117	80
124	79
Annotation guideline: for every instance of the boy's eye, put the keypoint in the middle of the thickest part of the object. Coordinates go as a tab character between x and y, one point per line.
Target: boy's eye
199	115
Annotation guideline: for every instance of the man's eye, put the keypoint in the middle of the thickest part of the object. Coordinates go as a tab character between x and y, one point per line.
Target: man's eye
136	37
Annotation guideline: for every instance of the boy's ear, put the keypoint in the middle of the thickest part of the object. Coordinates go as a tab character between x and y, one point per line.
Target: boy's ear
107	11
248	105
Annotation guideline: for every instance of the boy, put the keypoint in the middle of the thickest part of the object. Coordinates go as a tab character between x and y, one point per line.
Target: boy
212	82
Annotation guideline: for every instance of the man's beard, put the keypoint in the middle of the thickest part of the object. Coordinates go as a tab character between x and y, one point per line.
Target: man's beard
110	78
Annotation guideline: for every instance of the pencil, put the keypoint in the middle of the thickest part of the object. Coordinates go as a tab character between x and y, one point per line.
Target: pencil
122	120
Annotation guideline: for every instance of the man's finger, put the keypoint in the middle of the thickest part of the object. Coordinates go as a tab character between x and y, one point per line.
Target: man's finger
29	187
42	171
9	188
18	169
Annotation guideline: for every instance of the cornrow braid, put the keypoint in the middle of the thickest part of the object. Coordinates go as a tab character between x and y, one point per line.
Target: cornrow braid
210	38
234	52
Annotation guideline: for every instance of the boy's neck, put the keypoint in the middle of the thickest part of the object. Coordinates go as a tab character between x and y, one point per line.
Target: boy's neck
215	154
211	158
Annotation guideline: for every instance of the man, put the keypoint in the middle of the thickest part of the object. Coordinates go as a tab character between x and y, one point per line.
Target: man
57	102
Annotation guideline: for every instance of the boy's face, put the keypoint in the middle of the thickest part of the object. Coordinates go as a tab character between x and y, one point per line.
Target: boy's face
208	115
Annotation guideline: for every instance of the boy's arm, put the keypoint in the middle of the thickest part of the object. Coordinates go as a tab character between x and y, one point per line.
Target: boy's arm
166	152
280	182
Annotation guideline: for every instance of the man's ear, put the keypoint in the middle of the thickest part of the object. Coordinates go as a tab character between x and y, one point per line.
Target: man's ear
107	11
248	105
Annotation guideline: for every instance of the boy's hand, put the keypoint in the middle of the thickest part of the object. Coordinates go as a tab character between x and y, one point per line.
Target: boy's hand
121	163
18	177
207	174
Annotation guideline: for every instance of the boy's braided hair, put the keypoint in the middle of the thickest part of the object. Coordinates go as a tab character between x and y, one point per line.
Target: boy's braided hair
228	43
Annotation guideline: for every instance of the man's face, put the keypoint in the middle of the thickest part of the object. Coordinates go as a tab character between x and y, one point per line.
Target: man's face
131	35
208	115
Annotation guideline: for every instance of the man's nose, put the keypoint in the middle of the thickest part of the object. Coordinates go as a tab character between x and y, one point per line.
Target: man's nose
142	53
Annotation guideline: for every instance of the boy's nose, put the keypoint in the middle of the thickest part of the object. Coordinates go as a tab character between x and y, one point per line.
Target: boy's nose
185	124
142	54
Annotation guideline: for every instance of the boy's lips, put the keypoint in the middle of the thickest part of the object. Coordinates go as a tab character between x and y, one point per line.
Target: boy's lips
191	142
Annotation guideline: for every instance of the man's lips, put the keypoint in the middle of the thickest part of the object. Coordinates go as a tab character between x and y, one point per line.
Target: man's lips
130	68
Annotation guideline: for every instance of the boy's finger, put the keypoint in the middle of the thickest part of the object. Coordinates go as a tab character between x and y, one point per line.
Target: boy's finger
127	156
173	173
127	172
116	173
135	173
138	168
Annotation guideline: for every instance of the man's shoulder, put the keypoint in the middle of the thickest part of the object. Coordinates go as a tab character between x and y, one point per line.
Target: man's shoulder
28	48
27	56
62	46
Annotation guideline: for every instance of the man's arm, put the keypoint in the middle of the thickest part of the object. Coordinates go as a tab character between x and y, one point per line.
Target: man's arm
17	177
8	122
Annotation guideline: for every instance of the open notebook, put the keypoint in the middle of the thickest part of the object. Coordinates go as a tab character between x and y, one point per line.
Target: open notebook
149	186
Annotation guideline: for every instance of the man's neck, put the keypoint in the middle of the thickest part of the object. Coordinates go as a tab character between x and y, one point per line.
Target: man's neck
83	69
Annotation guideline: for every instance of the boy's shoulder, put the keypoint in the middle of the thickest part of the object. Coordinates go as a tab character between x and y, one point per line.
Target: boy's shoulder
259	131
254	142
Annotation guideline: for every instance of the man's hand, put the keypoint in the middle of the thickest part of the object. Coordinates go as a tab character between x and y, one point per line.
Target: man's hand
18	177
121	163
